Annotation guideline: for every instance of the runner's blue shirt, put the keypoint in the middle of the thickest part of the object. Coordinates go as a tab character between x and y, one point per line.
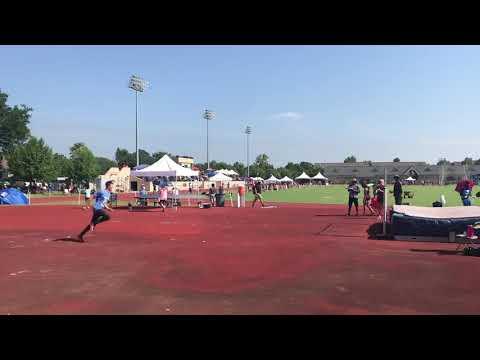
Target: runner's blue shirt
101	199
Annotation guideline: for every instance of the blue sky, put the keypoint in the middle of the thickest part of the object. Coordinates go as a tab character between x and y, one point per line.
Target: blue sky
304	103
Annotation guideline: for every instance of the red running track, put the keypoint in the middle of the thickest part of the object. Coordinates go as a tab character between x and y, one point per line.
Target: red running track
294	259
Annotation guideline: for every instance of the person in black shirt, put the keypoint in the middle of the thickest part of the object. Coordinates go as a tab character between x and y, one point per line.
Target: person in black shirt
353	191
397	190
257	192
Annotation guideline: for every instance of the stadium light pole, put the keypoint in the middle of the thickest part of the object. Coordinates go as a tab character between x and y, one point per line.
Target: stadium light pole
208	115
137	84
248	131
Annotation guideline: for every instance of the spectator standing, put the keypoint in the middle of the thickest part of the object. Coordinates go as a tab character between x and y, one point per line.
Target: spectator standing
464	188
88	193
211	193
380	198
143	196
397	190
367	198
353	191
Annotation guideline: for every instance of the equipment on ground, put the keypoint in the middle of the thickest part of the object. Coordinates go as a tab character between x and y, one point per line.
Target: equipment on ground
13	196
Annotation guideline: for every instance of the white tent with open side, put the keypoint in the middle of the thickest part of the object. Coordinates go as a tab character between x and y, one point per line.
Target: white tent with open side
410	180
164	167
303	177
319	176
272	179
220	177
286	179
227	172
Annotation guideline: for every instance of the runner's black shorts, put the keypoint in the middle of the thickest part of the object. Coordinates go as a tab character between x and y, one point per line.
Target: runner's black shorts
99	216
352	201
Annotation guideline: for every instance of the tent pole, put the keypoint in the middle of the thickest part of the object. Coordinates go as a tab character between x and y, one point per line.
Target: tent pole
385	206
175	192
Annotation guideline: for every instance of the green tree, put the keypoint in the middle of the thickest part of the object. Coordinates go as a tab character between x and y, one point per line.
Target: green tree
32	161
144	157
316	169
76	146
396	159
262	166
239	168
293	170
123	157
84	166
308	168
159	154
103	164
281	171
221	165
350	159
13	125
443	161
467	161
62	165
201	166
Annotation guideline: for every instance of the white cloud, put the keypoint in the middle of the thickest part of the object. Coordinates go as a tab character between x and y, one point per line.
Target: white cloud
288	115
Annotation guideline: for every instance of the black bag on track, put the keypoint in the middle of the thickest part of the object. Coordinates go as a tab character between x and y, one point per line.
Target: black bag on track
470	251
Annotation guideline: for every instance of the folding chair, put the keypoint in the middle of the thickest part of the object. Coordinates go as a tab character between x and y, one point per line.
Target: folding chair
464	241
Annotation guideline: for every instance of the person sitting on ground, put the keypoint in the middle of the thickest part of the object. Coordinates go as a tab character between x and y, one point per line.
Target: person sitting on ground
211	193
257	192
353	191
367	198
397	190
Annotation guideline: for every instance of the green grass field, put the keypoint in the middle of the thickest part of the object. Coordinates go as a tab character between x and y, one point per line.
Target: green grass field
334	194
337	194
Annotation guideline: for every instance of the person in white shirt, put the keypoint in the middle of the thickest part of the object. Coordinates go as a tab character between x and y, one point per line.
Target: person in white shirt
88	193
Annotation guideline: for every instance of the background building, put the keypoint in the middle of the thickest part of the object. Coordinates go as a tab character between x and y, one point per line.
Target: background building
340	173
185	161
121	179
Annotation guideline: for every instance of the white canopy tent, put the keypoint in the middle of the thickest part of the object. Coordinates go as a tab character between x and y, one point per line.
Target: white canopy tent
220	177
164	167
319	176
227	172
286	179
410	180
258	179
303	177
272	179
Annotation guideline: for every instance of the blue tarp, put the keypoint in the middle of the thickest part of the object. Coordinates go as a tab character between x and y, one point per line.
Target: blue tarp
12	197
